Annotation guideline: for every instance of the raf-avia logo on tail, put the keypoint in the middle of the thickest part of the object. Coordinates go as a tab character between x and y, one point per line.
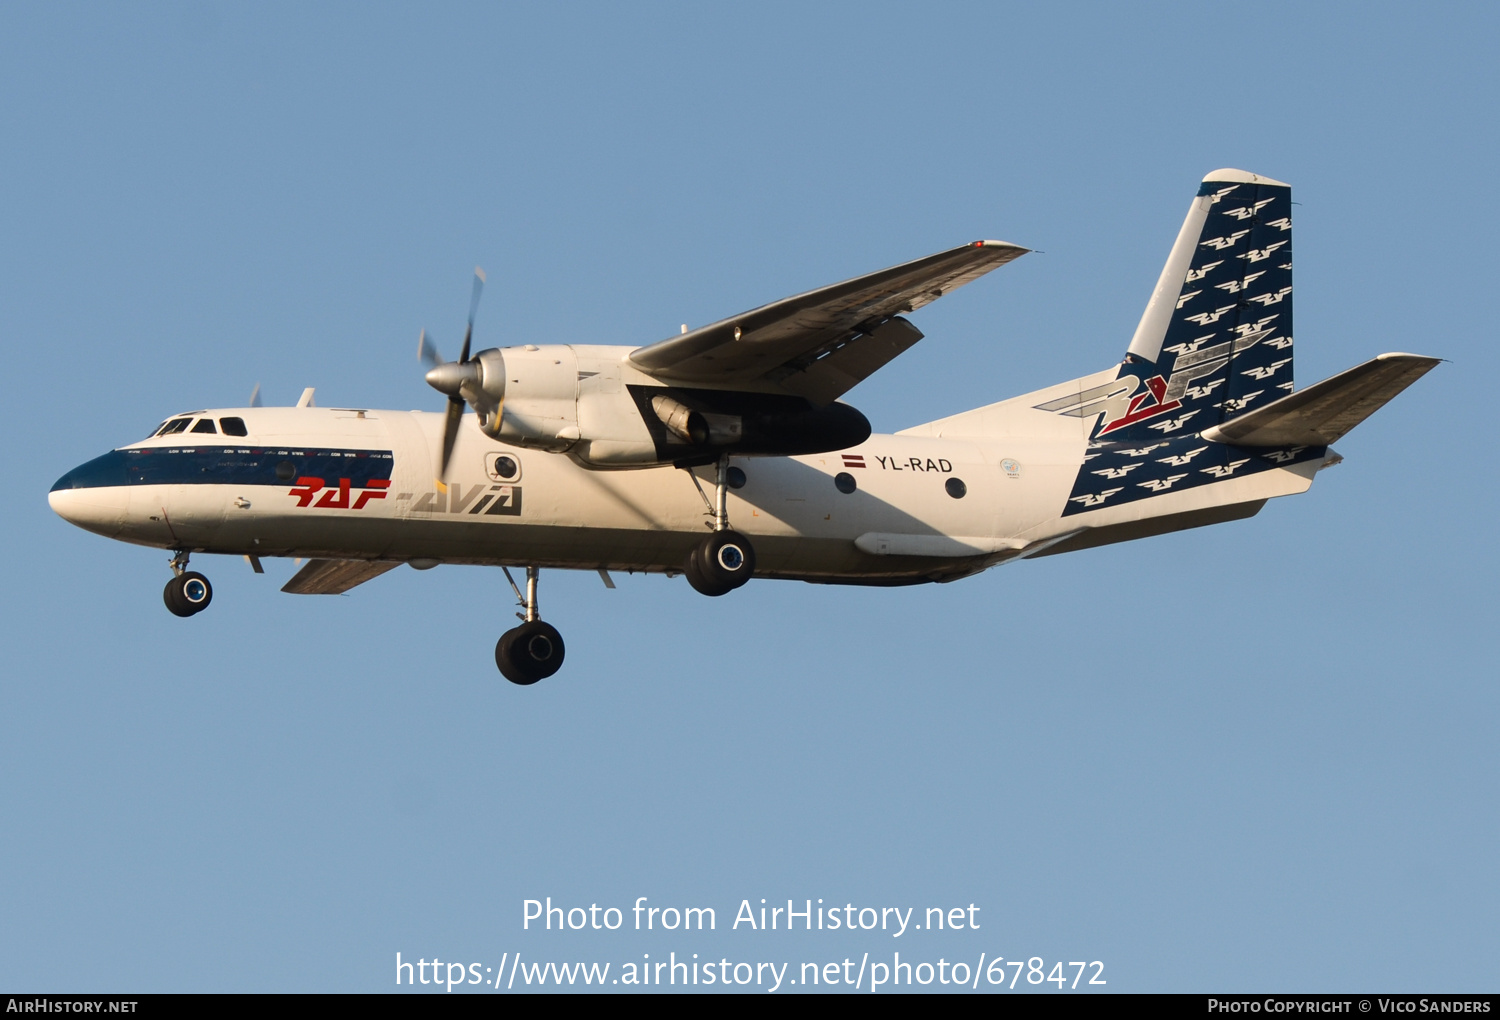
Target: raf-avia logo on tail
1123	403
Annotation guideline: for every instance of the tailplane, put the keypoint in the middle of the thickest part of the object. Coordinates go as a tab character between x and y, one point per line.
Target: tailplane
1323	412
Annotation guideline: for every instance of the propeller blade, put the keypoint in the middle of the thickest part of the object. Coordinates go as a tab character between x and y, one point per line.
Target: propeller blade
450	432
427	351
463	355
255	396
479	279
449	377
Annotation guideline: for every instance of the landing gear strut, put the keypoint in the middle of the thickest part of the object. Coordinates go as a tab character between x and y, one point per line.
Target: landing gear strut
725	559
189	591
534	650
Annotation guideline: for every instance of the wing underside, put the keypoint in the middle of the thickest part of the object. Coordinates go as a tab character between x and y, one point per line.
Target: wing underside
818	345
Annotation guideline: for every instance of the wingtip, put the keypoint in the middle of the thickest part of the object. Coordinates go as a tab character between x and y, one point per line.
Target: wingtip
990	243
1426	360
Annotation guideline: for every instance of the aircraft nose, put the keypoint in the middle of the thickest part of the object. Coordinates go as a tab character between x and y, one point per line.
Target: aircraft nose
94	496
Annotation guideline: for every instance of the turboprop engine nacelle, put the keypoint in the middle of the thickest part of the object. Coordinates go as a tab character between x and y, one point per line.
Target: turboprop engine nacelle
589	402
557	398
527	396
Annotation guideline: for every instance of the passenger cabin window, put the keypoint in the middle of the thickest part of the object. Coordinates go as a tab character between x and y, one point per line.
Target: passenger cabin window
206	425
233	426
174	426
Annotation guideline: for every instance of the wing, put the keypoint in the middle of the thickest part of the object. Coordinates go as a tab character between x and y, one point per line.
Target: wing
334	577
818	345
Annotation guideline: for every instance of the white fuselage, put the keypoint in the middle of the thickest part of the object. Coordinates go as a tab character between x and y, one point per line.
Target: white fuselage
901	524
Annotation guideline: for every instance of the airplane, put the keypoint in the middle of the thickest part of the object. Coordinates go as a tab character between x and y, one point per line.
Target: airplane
724	453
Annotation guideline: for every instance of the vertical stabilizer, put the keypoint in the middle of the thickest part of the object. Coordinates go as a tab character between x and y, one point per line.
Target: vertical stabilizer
1214	342
1216	337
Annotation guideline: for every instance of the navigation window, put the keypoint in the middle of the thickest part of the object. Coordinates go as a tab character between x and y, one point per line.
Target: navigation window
205	425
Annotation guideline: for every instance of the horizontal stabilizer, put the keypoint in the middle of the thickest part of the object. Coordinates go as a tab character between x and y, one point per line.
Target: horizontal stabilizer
334	577
1322	413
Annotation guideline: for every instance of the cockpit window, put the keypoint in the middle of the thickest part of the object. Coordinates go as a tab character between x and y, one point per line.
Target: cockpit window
174	426
205	425
155	432
233	426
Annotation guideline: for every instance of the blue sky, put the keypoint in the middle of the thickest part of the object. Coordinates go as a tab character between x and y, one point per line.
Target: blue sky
1256	756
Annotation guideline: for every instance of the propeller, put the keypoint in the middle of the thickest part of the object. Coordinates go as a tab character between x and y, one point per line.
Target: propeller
450	377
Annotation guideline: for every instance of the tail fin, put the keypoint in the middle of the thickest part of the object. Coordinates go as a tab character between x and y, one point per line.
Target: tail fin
1216	336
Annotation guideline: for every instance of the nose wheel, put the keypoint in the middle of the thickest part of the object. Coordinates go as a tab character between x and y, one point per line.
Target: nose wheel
188	593
530	652
534	650
724	560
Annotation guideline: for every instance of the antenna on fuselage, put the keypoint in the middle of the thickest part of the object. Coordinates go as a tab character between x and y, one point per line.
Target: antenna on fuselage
255	396
306	400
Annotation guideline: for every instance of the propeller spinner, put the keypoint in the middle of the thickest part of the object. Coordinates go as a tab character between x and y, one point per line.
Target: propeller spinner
453	377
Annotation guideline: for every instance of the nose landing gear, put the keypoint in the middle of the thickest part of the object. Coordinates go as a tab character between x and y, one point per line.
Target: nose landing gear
534	650
188	592
725	559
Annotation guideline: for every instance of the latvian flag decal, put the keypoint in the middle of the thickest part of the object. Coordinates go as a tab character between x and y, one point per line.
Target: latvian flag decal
854	460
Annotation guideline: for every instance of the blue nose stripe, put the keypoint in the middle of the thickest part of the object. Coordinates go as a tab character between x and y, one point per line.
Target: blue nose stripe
98	473
215	465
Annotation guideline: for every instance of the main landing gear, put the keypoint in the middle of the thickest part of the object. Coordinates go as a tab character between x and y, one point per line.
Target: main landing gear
534	650
189	591
725	559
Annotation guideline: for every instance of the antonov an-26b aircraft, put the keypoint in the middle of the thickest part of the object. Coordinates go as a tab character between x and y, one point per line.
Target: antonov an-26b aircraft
724	453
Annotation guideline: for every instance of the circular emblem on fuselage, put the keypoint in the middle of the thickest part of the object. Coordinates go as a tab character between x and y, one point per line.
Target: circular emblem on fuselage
1011	468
